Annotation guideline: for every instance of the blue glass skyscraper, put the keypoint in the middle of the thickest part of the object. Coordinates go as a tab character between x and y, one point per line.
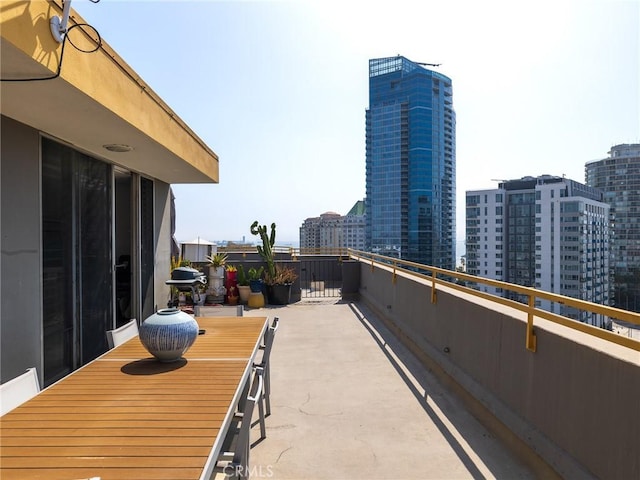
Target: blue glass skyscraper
411	163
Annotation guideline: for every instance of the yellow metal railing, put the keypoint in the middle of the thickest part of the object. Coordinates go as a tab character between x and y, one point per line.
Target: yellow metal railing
293	251
247	248
432	274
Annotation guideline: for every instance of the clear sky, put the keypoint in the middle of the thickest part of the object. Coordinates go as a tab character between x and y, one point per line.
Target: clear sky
279	89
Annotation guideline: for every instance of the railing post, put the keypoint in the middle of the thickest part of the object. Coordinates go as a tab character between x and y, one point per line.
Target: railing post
531	334
434	297
393	276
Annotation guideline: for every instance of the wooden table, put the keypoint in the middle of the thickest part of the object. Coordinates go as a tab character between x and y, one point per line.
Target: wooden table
127	416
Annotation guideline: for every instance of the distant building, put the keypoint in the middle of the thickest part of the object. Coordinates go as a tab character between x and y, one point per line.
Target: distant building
618	176
332	230
353	229
410	163
547	232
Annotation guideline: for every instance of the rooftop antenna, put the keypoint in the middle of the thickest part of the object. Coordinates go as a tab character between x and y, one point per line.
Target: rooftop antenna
59	24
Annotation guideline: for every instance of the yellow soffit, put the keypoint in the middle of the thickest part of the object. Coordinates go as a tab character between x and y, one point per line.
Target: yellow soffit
96	99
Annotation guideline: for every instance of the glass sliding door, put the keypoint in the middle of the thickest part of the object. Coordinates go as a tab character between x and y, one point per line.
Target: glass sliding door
60	356
124	304
94	254
77	258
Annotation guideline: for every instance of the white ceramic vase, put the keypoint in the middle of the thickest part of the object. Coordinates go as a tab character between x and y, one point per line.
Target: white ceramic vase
168	334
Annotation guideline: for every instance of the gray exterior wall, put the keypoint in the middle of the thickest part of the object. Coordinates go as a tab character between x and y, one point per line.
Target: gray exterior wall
163	245
20	262
574	402
21	254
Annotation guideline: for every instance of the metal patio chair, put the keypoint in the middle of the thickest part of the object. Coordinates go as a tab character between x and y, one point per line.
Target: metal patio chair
121	334
220	311
269	337
18	390
234	456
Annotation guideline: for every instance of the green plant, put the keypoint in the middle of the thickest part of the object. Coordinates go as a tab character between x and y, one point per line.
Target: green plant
231	268
218	260
175	263
266	250
242	276
255	273
179	262
283	275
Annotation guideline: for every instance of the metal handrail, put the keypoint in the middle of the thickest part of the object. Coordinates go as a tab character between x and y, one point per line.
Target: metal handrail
431	274
294	251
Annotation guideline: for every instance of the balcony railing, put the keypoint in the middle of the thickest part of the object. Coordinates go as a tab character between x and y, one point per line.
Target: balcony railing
456	280
459	280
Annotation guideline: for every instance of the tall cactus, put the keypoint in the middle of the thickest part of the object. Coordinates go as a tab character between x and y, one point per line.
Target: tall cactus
266	250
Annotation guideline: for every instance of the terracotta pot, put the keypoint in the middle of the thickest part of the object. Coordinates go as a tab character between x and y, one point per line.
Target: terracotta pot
244	291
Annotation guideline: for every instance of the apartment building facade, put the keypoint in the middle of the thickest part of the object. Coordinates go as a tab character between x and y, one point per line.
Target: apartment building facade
547	232
332	230
618	176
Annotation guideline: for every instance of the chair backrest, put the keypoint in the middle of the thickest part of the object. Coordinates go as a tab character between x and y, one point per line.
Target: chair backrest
221	311
241	453
18	390
121	334
269	336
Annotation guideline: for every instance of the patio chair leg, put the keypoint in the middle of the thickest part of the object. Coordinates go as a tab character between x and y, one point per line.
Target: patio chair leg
267	391
263	428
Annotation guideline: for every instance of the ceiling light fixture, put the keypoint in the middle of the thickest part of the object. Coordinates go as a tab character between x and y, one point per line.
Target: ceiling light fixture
118	147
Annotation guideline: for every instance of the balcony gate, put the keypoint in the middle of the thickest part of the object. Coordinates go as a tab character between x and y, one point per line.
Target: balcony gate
320	276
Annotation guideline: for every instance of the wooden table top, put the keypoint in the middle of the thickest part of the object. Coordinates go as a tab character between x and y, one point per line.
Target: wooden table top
127	416
224	338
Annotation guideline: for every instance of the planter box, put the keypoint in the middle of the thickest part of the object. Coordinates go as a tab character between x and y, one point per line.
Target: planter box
279	294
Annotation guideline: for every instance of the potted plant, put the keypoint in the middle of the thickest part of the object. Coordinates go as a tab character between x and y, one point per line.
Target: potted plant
217	263
232	295
201	294
231	280
177	297
279	285
266	249
254	276
232	274
243	285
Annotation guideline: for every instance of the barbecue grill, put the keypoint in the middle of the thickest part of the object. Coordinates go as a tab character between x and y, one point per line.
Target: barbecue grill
186	279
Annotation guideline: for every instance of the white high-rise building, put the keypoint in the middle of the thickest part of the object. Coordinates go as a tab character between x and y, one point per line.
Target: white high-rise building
547	232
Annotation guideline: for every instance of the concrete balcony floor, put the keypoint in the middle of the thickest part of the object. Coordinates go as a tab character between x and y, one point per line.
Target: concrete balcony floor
350	402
